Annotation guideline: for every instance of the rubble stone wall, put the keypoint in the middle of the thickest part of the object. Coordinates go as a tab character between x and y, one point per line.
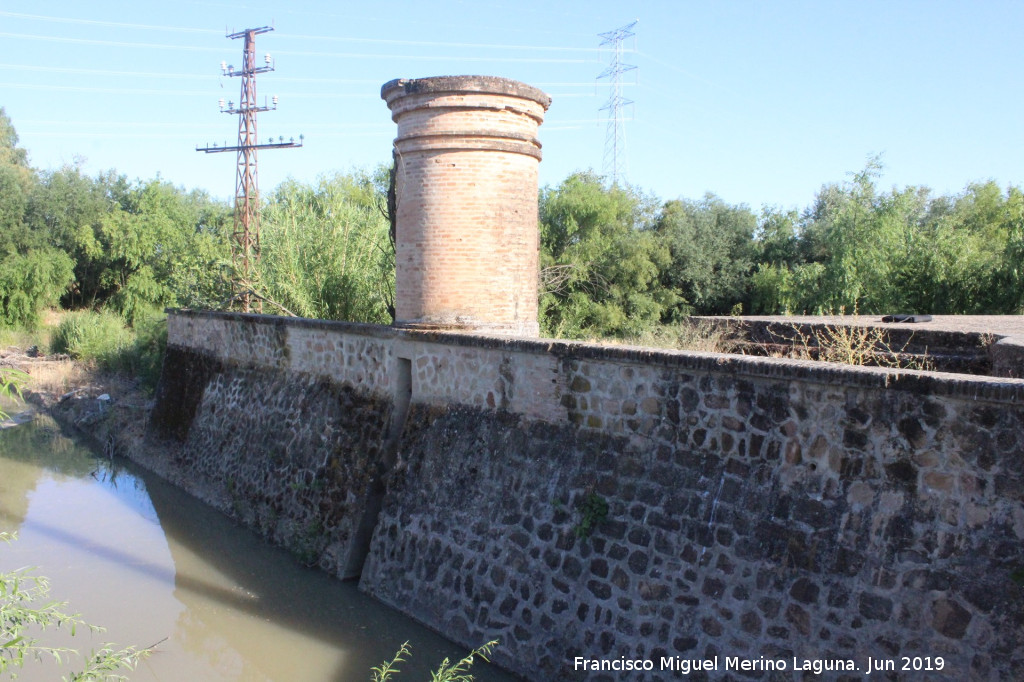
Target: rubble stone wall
611	503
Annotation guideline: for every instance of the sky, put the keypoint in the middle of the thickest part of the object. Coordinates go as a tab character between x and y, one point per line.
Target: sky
760	103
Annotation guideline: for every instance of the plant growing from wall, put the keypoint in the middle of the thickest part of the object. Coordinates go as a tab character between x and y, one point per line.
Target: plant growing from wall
858	343
593	511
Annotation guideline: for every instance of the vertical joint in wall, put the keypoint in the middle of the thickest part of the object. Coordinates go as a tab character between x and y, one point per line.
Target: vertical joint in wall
400	400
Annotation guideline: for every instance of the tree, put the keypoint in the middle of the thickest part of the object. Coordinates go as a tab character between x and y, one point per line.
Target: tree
134	246
10	152
712	254
326	252
163	247
32	274
600	260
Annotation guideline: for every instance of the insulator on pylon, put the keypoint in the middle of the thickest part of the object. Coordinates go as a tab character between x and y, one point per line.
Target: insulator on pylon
245	249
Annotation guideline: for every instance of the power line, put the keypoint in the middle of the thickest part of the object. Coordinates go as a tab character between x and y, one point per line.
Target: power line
429	43
206	76
340	39
180	93
299	53
96	22
615	138
105	72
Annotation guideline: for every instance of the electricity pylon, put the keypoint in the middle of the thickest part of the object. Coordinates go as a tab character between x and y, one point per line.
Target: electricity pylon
245	246
615	164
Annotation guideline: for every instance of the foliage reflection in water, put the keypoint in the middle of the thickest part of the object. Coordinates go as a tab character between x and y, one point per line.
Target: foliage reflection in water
151	564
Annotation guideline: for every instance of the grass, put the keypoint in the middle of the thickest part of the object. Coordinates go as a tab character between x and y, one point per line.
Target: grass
105	340
91	336
852	344
702	336
92	341
24	339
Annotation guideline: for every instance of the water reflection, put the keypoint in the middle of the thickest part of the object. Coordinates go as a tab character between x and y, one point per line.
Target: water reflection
150	563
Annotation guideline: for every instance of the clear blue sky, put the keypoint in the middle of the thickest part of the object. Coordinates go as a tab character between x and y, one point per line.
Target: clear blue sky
758	102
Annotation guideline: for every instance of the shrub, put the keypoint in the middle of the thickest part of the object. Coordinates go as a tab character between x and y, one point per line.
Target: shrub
103	338
143	356
90	335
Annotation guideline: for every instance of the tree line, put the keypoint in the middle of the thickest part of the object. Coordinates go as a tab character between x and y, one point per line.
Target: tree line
615	261
618	262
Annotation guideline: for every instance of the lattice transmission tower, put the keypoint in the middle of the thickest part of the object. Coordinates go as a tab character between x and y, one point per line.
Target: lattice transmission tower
245	247
615	163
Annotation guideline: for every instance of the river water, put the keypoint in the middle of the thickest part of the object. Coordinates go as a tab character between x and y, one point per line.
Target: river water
151	564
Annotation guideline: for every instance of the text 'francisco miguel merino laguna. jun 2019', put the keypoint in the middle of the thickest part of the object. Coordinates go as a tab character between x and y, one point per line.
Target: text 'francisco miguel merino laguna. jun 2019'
685	666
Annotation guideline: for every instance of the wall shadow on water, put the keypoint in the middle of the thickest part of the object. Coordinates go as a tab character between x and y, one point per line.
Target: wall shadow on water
272	586
285	621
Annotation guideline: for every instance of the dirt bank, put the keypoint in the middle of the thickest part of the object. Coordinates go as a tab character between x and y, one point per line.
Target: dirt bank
110	411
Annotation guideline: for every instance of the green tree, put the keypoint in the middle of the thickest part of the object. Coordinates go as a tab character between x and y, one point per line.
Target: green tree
965	258
10	152
32	274
163	247
133	246
777	237
600	260
326	250
712	254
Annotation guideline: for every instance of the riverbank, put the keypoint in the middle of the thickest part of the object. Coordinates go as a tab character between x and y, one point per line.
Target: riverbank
107	408
110	411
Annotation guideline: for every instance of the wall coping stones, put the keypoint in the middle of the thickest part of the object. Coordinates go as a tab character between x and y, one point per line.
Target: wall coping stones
978	388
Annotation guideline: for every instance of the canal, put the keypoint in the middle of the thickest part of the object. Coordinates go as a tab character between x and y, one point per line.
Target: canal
151	564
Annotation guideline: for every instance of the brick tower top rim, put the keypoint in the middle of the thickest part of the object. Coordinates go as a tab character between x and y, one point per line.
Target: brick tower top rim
493	85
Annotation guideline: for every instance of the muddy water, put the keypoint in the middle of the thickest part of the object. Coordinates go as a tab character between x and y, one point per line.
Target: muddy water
153	565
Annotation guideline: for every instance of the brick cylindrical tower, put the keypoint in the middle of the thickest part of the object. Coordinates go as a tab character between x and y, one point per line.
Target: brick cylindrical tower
466	163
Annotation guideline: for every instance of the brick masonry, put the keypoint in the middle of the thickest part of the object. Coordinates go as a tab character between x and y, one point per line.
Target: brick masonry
466	159
757	508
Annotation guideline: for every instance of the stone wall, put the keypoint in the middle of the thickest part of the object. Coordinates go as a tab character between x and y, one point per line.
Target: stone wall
601	502
277	426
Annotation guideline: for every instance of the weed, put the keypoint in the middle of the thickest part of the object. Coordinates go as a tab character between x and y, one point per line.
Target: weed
1017	575
447	672
855	343
702	335
104	339
88	335
593	511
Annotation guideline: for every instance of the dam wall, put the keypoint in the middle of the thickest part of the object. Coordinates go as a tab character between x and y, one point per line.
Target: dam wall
608	503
